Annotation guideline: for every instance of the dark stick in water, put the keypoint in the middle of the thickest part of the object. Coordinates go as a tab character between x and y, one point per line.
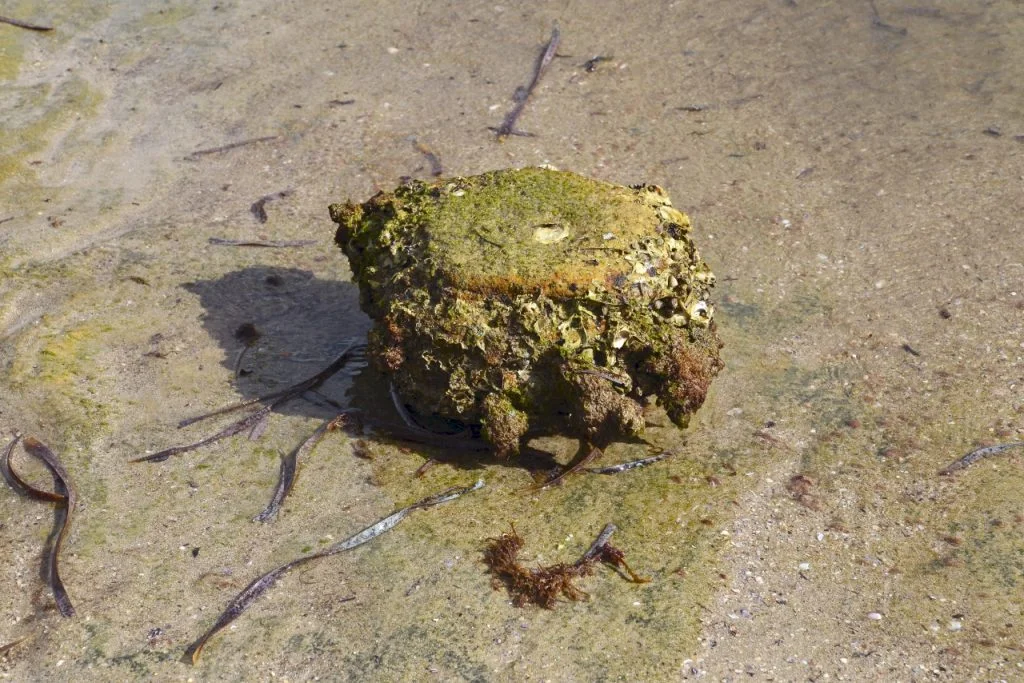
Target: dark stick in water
249	422
575	467
262	584
270	244
508	126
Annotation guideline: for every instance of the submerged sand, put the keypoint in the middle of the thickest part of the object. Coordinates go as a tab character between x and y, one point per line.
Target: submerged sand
854	174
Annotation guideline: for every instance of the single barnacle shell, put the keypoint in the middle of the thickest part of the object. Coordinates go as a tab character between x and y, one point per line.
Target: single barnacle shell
700	313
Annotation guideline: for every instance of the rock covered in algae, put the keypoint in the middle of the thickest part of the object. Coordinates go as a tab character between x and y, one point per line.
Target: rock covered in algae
534	300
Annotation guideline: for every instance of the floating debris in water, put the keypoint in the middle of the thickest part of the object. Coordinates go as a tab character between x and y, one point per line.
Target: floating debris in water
247	334
544	585
64	496
265	582
436	168
590	66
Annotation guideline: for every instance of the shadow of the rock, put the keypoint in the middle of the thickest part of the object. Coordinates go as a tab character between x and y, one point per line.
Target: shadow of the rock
301	324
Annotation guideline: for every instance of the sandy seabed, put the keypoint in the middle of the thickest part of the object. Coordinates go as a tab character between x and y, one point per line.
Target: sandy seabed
855	172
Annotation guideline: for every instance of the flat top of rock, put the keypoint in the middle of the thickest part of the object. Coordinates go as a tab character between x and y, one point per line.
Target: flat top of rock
533	229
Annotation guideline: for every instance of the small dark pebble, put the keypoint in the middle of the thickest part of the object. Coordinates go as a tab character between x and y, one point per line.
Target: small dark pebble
911	350
247	334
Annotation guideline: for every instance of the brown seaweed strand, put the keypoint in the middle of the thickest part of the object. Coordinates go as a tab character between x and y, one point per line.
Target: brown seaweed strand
247	422
508	126
24	24
573	469
240	603
249	402
611	555
978	454
262	584
543	585
4	649
632	464
288	392
253	420
63	484
289	466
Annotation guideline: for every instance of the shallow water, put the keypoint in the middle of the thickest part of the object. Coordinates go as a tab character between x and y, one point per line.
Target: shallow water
854	174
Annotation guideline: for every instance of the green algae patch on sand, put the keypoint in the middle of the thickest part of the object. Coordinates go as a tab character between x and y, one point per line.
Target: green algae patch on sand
534	300
55	372
36	115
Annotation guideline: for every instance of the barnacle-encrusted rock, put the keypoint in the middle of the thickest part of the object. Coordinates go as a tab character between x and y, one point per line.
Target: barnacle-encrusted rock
534	300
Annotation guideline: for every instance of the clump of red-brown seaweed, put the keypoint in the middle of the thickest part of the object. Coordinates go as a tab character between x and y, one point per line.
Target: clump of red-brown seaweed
544	585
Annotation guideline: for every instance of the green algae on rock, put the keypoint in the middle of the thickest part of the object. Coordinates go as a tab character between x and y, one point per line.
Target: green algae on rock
534	300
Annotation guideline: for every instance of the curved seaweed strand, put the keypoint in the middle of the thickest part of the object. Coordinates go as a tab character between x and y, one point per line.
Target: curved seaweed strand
65	497
289	466
17	483
978	454
262	584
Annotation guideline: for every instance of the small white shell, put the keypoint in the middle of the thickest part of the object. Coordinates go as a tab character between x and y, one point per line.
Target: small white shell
700	313
549	234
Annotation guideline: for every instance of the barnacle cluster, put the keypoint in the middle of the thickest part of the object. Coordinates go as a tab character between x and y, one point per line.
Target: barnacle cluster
534	300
